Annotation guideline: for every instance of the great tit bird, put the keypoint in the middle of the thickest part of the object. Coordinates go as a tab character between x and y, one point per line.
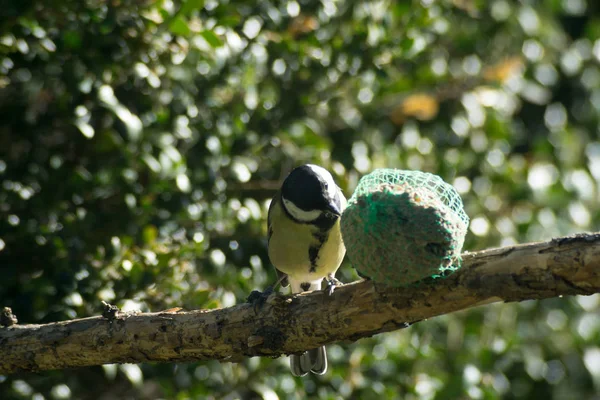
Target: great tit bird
305	242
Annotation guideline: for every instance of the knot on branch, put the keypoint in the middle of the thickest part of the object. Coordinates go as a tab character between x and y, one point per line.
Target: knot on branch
110	311
7	318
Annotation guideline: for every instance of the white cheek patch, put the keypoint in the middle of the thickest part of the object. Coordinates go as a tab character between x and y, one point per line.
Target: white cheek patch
299	214
326	176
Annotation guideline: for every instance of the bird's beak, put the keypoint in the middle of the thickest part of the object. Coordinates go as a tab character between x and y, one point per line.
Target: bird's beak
333	208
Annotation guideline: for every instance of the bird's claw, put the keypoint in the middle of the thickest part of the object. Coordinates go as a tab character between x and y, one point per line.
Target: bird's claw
332	283
258	298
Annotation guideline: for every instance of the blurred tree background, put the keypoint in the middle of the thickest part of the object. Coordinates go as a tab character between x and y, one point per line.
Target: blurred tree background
141	142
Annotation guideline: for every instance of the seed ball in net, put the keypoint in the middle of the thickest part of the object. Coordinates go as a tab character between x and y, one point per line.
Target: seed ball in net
401	227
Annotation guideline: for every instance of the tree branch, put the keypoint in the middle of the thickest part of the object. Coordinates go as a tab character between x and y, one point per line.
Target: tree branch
563	266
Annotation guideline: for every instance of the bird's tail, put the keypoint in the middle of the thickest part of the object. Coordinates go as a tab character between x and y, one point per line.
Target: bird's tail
314	361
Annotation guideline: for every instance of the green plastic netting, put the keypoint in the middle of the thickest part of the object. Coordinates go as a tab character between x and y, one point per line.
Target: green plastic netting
401	227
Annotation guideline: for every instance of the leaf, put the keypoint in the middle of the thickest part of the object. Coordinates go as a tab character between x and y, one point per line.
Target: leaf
189	6
149	234
212	38
421	106
152	163
179	27
72	39
503	70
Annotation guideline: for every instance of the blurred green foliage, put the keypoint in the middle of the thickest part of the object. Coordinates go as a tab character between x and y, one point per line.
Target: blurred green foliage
141	141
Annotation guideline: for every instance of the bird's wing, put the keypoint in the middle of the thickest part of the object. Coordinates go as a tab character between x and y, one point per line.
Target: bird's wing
274	200
280	275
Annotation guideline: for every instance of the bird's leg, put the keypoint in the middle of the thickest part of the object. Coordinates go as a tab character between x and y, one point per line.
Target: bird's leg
259	298
332	283
365	277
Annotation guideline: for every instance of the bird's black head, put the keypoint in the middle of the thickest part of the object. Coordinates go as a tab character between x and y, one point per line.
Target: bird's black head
309	191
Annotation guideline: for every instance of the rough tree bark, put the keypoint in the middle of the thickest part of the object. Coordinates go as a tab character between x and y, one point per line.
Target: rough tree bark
563	266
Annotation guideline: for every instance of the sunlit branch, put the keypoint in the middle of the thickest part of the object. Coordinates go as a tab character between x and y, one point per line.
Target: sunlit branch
284	324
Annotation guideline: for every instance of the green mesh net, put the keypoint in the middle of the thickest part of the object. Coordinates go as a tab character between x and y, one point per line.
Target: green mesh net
401	227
